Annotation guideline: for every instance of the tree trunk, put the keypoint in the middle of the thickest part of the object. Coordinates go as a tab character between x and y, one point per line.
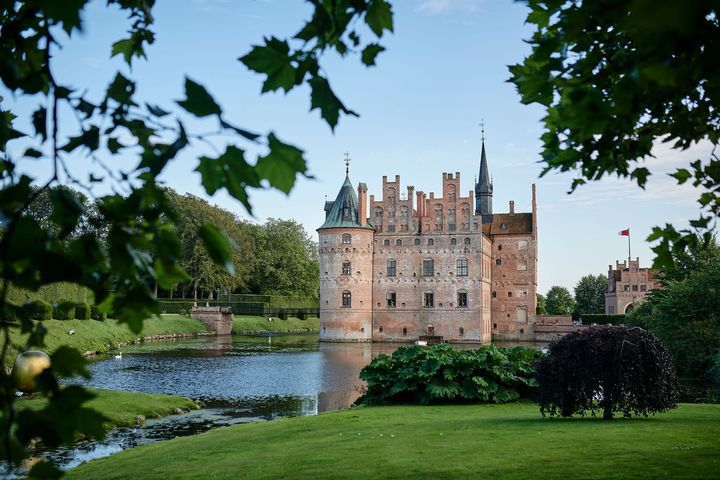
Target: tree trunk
156	290
195	290
607	407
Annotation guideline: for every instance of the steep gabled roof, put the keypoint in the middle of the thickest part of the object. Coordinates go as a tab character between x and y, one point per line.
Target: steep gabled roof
509	224
343	212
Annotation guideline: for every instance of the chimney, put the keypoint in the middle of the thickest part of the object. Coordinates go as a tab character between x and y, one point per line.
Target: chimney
362	204
512	206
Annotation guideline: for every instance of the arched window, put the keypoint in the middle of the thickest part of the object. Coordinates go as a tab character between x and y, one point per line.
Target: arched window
386	242
467	240
428	267
390	298
398	242
378	211
346	238
346	299
462	299
453	241
498	262
417	241
462	267
346	269
431	242
391	268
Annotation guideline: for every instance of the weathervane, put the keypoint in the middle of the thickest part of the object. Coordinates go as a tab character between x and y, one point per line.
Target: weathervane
482	129
347	163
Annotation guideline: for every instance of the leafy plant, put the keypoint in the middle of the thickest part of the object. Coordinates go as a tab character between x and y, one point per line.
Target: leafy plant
590	295
97	314
37	310
558	301
64	310
607	368
443	374
82	311
282	314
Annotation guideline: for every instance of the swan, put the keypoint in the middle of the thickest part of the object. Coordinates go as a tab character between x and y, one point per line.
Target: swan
119	355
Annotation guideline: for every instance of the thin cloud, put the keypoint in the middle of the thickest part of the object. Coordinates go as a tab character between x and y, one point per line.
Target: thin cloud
444	7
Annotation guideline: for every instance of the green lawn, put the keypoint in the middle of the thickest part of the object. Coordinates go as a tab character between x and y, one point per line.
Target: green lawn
244	325
121	408
478	441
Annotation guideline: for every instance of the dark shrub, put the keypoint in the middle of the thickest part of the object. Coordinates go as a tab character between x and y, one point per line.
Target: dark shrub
182	312
96	314
608	368
38	310
301	314
82	311
282	314
64	310
13	313
443	374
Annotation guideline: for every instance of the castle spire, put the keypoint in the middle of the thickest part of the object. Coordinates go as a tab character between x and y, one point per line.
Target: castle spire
484	186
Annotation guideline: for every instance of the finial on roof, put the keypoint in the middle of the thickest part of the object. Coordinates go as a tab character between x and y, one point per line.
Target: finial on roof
347	163
482	129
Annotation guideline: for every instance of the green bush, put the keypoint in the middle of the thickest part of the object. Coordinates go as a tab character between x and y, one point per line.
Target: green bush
96	314
38	310
601	319
82	311
13	313
182	312
282	314
443	374
175	306
301	315
64	310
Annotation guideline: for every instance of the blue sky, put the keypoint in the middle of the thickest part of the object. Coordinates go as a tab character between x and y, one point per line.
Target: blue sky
444	70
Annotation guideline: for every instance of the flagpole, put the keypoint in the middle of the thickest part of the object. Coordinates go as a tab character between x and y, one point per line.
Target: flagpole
629	256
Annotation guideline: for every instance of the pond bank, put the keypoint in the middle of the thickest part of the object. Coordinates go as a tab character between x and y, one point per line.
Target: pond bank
469	441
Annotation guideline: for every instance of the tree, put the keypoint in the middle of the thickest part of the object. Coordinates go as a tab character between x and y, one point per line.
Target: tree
540	308
611	368
558	301
70	127
590	294
615	78
685	313
286	260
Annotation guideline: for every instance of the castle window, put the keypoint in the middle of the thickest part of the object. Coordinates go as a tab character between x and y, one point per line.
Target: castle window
462	300
494	294
346	269
391	264
431	242
467	240
498	262
453	241
461	332
451	227
428	267
346	299
417	241
390	297
380	329
494	325
386	242
634	288
462	267
391	228
398	242
522	245
346	238
499	248
509	294
626	288
404	331
643	288
428	299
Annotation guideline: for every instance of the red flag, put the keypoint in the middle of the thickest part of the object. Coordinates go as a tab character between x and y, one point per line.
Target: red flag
625	233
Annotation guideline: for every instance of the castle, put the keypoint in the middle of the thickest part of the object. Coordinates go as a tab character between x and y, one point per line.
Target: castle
426	265
628	284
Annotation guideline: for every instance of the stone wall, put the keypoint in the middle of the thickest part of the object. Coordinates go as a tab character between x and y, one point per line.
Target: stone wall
219	319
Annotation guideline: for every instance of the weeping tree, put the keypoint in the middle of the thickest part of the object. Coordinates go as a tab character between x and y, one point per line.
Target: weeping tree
608	368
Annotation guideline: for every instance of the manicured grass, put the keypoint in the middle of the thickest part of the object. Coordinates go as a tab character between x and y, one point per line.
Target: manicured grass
475	441
121	408
101	337
243	325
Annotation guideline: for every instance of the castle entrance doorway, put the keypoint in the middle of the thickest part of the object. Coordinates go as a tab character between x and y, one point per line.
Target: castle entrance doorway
430	330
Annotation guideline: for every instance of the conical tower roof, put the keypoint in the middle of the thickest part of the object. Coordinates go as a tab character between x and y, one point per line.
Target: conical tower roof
344	210
484	184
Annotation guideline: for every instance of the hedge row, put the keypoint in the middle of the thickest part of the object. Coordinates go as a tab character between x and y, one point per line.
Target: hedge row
602	319
63	310
52	293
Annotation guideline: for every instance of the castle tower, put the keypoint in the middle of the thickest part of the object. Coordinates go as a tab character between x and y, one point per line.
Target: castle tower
484	189
346	259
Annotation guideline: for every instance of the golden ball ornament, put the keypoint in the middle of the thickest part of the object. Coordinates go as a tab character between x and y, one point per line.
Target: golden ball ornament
28	365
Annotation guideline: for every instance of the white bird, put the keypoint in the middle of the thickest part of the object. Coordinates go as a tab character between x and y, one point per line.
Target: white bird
119	355
71	332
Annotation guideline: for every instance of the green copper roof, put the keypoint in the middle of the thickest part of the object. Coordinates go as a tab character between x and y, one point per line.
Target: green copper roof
343	212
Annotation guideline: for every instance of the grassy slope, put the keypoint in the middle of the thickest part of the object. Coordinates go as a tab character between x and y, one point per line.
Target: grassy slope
94	336
249	324
122	407
485	441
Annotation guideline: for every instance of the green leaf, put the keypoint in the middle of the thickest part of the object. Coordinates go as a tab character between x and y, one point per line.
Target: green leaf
681	175
157	111
124	47
370	52
379	17
231	171
323	98
282	164
249	135
45	469
272	59
198	101
32	153
39	121
218	246
67	361
121	89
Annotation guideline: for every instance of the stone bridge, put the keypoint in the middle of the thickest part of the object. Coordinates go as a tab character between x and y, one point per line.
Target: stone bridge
219	319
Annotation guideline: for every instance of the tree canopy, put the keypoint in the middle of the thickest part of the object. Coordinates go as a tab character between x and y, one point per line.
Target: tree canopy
558	301
616	78
590	294
70	126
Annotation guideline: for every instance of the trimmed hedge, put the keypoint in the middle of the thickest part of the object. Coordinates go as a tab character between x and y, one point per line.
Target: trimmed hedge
602	319
64	310
82	311
96	314
38	310
54	292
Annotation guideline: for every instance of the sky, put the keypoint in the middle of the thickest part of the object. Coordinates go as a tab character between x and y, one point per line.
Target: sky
445	70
